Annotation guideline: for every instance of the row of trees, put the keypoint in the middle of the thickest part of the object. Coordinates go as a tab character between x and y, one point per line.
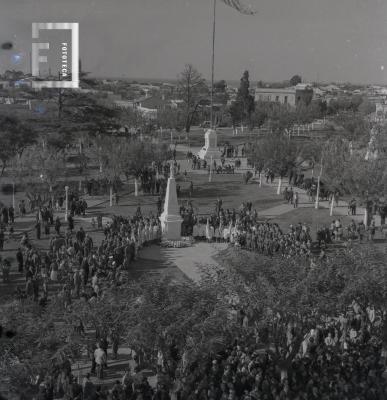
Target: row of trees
108	158
343	170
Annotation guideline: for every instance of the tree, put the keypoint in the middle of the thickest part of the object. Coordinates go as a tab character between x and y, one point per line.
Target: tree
281	118
243	107
307	113
188	320
295	80
259	116
356	128
39	346
285	299
112	157
170	118
61	139
220	92
39	166
334	155
367	180
132	118
192	89
15	137
366	107
91	113
278	153
220	86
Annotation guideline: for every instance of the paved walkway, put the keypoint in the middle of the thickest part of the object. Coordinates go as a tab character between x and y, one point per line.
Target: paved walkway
191	261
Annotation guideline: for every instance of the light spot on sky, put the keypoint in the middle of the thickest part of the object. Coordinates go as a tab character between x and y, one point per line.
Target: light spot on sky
16	58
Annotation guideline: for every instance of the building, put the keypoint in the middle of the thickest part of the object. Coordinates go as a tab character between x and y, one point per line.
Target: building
292	96
4	84
283	96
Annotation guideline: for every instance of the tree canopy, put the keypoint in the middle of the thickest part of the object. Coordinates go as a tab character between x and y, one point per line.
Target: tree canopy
243	107
295	80
15	137
192	90
276	152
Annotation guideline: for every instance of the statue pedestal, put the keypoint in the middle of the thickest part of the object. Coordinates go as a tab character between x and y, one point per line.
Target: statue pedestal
210	149
171	226
170	219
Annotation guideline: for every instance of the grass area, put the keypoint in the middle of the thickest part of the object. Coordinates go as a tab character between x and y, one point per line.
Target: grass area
312	217
229	188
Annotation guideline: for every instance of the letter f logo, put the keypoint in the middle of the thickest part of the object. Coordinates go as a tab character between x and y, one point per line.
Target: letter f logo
36	47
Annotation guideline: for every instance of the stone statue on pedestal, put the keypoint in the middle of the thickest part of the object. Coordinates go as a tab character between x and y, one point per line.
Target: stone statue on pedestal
210	148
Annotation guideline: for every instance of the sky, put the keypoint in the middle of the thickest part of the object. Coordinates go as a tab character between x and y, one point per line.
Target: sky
325	40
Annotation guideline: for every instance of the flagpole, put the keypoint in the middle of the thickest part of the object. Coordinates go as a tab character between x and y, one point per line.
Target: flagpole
213	66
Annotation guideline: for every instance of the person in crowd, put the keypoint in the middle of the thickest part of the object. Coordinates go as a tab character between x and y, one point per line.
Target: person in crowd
5	267
38	228
57	225
20	260
88	388
2	237
100	361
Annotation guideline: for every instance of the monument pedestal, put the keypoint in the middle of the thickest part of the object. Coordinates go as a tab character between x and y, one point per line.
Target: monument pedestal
210	149
170	219
171	226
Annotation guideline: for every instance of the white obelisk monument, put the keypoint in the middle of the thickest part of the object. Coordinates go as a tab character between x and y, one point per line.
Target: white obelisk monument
170	219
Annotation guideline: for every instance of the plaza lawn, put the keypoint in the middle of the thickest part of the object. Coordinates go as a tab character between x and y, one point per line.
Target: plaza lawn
315	219
230	188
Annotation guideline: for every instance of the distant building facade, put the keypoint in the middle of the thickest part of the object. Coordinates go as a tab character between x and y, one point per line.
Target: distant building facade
283	96
291	96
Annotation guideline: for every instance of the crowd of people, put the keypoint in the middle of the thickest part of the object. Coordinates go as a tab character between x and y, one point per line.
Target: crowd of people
244	229
196	162
219	168
76	268
337	232
340	359
75	263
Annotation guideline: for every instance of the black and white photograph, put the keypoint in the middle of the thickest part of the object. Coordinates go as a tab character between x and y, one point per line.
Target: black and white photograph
193	200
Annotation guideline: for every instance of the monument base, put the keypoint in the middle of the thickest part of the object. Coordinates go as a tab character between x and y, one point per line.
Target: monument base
206	154
171	227
210	148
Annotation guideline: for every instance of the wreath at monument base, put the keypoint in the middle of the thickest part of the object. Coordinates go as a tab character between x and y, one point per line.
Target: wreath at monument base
184	242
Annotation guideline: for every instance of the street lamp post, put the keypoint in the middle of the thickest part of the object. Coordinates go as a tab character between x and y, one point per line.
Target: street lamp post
52	197
317	204
210	176
366	209
13	195
67	203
